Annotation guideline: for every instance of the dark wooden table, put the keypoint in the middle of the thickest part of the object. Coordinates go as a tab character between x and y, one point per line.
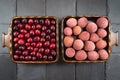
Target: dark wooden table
59	71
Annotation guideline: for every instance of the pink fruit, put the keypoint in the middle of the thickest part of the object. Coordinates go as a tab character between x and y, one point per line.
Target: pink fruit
103	54
71	22
70	52
101	44
68	41
84	35
89	46
102	33
94	37
81	55
93	55
77	30
91	27
68	31
78	44
82	22
102	22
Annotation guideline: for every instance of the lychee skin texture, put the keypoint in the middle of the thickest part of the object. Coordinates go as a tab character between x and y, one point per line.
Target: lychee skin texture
71	22
91	27
84	36
68	31
103	54
77	30
70	52
94	37
82	22
78	44
102	22
80	55
101	44
68	41
93	55
102	33
89	46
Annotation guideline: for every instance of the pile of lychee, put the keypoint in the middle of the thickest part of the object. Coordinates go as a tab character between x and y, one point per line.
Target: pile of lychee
86	39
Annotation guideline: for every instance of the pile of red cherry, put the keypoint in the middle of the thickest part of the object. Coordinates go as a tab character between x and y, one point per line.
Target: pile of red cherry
34	39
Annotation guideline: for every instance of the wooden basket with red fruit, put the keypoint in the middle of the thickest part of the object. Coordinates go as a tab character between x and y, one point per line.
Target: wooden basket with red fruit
32	39
87	38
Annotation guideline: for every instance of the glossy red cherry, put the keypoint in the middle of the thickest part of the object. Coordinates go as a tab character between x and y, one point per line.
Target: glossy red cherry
47	37
15	40
24	21
33	27
47	51
52	28
42	40
34	58
52	40
18	52
44	28
52	46
27	27
32	53
36	21
35	49
15	28
37	32
28	58
22	48
21	41
16	57
32	33
20	26
29	40
37	39
52	34
38	26
39	55
15	34
30	21
41	50
27	44
16	45
23	31
20	36
53	53
48	31
50	58
44	57
33	44
39	45
43	34
41	21
16	21
30	48
46	44
25	53
22	57
47	22
53	22
27	35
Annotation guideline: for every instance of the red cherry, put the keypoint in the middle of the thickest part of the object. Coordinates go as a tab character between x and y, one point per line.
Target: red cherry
27	35
20	36
15	28
53	53
25	53
46	44
52	40
52	28
33	27
22	48
37	32
47	51
30	48
27	44
47	37
30	21
42	40
21	41
15	40
36	21
27	27
41	50
16	57
34	58
24	21
16	21
33	53
44	28
32	33
43	34
23	31
37	39
47	22
50	58
18	52
20	26
52	34
35	49
41	21
39	45
52	46
28	58
16	45
44	57
22	57
15	34
33	44
38	26
53	22
29	40
48	31
39	55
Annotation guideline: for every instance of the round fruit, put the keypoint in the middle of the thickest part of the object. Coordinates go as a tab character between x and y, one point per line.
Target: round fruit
81	55
21	41
103	54
82	22
71	22
102	22
78	44
70	52
93	55
101	44
94	37
68	31
77	30
68	41
102	33
89	46
91	27
84	35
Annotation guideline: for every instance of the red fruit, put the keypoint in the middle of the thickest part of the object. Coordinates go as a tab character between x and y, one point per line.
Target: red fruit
27	35
34	58
38	26
41	21
32	33
52	46
15	34
42	40
20	36
41	50
32	53
22	57
37	39
22	48
52	40
47	51
36	21
16	21
53	53
27	44
47	37
39	45
30	21
43	34
47	22
25	53
15	28
37	32
21	41
15	40
53	22
30	48
48	31
33	44
20	26
39	55
16	57
52	28
52	34
16	45
29	40
33	27
44	28
24	21
18	52
46	44
23	31
28	58
44	57
50	58
35	49
27	27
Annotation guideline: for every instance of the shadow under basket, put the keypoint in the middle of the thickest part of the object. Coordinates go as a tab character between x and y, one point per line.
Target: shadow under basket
111	39
8	39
